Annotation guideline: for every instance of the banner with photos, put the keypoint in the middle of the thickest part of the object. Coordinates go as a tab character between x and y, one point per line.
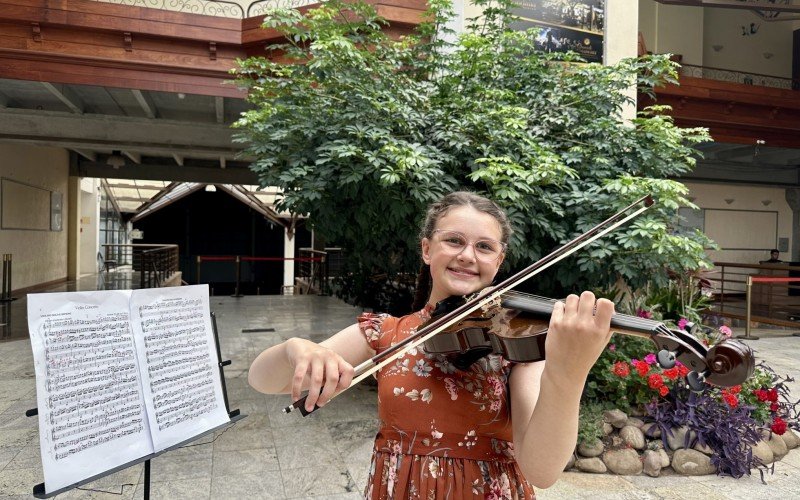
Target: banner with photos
565	25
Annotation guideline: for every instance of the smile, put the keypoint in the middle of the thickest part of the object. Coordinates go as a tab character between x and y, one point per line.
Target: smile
463	272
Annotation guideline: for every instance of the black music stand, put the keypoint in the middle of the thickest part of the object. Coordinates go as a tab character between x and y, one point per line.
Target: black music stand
235	416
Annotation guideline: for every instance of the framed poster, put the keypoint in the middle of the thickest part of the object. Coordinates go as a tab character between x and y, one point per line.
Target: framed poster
565	25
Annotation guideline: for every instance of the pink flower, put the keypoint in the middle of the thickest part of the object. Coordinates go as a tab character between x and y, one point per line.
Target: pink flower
644	314
650	359
612	347
682	323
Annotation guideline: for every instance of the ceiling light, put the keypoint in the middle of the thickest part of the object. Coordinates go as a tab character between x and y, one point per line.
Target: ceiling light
116	160
210	188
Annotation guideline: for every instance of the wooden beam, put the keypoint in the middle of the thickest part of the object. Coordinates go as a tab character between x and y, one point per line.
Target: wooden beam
146	103
135	157
219	108
67	96
89	155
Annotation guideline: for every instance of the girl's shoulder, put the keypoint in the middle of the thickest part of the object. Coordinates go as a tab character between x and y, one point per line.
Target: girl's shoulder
382	330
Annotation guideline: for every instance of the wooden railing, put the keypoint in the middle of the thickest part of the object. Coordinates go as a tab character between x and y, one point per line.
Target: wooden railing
776	303
155	263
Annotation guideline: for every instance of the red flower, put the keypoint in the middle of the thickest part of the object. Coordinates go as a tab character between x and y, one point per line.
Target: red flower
778	426
736	389
682	370
672	373
641	367
761	394
774	407
663	390
621	369
772	395
655	381
731	399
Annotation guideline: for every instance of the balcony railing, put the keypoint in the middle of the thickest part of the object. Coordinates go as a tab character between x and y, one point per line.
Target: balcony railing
155	264
217	8
733	76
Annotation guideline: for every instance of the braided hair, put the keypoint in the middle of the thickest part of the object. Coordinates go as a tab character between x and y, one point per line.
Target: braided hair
439	209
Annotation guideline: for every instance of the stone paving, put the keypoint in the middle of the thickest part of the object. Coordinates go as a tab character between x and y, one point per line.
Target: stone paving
325	456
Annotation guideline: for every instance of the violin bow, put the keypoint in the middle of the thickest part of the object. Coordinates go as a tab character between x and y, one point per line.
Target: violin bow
382	359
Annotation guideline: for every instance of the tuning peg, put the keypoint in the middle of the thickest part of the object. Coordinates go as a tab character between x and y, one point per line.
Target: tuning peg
666	359
697	380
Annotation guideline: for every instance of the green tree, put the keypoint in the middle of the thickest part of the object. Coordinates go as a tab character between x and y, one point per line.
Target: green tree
362	131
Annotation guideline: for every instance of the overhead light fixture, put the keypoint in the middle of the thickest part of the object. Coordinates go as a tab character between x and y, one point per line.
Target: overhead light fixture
116	160
210	188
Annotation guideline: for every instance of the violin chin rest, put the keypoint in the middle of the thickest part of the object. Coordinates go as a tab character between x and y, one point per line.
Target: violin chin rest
465	360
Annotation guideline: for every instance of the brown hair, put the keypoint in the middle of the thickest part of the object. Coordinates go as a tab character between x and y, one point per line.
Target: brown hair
436	211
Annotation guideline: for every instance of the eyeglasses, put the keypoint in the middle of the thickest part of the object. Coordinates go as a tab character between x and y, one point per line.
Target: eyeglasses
453	243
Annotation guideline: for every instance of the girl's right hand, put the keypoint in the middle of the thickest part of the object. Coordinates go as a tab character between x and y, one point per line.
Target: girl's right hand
326	371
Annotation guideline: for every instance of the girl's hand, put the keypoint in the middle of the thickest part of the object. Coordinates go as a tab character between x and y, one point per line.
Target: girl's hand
579	330
322	370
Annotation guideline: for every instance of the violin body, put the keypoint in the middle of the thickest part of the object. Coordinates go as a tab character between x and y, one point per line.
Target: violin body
516	329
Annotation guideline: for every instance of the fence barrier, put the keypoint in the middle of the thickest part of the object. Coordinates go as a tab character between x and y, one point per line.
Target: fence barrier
238	259
5	286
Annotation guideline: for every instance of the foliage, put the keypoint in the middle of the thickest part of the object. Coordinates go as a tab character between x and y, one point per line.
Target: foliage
362	131
729	431
590	422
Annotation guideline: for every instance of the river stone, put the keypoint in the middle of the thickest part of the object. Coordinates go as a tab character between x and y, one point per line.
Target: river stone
704	449
636	412
593	464
778	446
652	430
636	422
571	462
791	439
692	463
763	452
617	418
678	438
607	428
593	448
652	463
624	462
633	436
665	460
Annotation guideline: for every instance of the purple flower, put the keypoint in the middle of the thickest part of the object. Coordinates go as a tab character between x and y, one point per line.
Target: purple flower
682	323
650	359
612	347
644	314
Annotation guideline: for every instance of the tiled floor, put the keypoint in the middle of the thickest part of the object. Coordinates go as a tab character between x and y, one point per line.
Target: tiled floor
274	455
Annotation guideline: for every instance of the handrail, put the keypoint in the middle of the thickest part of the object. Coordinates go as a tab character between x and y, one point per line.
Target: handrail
155	262
216	8
733	75
768	289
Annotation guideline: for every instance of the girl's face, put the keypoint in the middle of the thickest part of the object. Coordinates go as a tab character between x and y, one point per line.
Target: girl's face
462	252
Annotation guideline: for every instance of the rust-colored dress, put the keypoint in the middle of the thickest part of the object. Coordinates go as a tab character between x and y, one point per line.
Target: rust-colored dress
444	433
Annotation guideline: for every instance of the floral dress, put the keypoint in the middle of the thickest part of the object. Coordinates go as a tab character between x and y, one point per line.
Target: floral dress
444	433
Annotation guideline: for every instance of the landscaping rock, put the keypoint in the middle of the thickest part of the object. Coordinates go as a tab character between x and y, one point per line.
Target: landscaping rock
763	452
791	439
678	438
652	463
652	430
607	428
633	436
692	463
778	447
617	418
665	460
704	449
571	462
593	465
636	422
624	462
591	449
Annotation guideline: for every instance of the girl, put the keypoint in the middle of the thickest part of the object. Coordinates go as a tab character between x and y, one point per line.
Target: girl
491	431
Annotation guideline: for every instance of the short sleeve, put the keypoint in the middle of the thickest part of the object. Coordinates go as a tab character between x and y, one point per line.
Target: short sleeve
378	329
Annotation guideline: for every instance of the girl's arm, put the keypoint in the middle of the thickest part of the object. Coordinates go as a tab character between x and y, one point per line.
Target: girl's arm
545	396
299	364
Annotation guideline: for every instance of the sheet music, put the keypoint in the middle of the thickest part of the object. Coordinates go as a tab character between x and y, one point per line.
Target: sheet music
88	387
175	343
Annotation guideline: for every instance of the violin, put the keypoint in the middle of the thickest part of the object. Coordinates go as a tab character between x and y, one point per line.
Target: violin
516	329
711	369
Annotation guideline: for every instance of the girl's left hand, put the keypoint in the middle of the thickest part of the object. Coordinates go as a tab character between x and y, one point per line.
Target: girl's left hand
579	330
